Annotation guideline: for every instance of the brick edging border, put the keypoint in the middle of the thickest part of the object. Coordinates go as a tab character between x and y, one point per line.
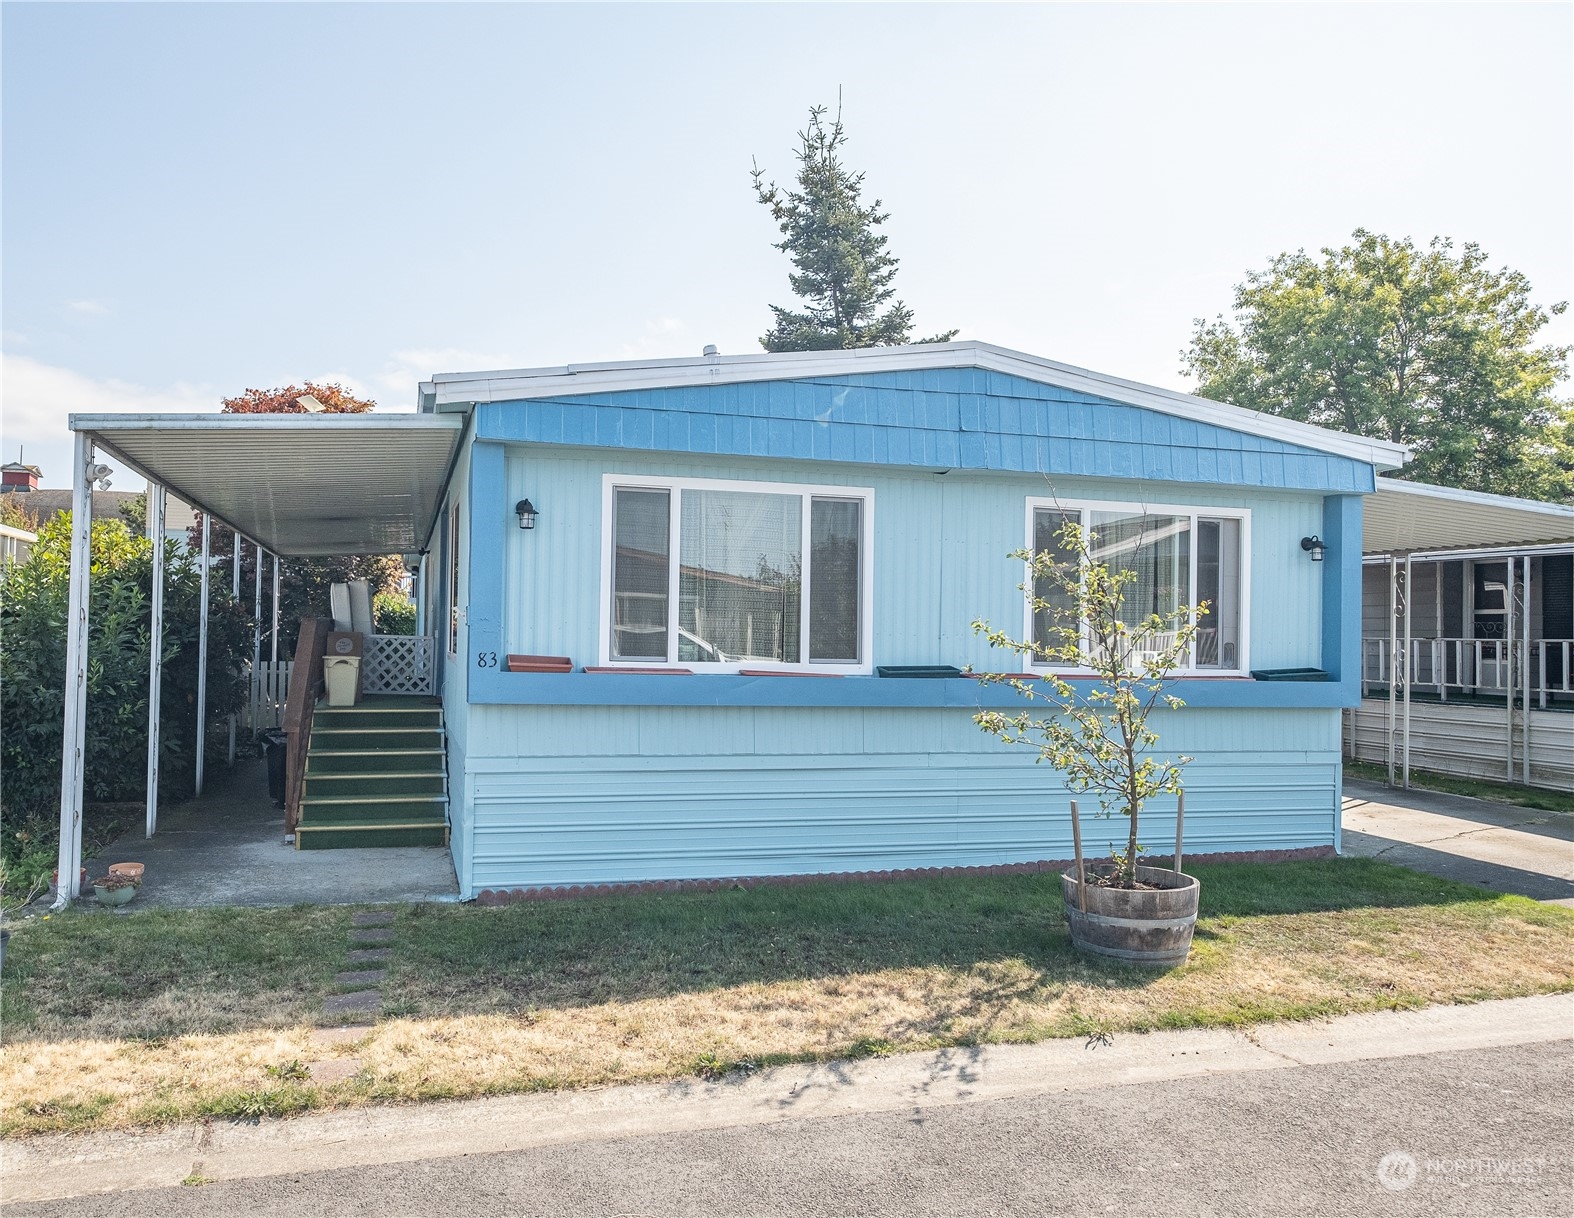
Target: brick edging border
568	892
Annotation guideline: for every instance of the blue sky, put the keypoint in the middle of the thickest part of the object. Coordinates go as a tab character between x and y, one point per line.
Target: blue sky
202	198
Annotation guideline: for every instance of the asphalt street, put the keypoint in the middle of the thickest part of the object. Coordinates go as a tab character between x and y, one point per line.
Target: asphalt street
1486	1131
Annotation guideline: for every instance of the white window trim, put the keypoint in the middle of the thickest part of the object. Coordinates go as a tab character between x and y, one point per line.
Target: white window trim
864	665
1084	506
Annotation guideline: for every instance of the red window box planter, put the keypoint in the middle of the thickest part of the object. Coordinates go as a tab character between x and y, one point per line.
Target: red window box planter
540	664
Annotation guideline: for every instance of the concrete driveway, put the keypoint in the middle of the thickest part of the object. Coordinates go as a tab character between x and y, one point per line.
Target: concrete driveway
228	848
1499	846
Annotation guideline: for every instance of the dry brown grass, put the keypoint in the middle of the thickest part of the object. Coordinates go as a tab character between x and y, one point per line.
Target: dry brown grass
855	972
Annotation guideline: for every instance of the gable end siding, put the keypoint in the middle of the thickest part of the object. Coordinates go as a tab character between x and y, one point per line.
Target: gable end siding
954	418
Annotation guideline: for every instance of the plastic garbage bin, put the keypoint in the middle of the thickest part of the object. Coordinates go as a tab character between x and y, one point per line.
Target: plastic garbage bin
343	676
275	745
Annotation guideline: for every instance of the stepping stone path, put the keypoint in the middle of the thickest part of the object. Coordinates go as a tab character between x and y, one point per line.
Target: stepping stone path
360	997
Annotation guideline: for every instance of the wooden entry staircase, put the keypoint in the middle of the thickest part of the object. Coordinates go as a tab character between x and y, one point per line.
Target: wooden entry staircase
375	776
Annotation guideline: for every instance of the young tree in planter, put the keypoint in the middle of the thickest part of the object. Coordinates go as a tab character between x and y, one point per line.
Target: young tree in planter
1097	734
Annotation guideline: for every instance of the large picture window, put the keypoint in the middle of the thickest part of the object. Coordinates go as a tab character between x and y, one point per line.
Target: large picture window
1178	556
731	575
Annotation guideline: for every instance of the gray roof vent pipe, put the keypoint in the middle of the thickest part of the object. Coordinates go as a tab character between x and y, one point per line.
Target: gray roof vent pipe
710	349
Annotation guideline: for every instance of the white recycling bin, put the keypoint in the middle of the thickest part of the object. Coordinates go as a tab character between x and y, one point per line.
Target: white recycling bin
343	676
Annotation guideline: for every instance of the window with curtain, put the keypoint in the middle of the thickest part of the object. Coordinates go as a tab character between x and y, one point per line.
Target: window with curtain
1178	557
762	575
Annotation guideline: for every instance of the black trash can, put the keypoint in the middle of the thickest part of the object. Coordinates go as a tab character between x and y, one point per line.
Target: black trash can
275	744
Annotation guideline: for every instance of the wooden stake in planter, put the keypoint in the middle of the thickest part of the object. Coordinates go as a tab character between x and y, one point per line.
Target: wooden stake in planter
1076	845
1180	821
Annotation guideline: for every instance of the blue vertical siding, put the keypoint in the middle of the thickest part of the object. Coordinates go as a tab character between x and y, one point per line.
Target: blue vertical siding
587	793
598	794
940	553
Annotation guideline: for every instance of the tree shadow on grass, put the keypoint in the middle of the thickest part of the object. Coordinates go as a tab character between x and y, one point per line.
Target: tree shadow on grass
1006	933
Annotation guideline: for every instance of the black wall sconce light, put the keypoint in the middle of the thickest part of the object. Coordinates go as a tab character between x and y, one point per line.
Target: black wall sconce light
526	511
1314	546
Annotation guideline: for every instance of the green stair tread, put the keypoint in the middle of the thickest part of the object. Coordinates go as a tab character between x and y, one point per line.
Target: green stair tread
332	838
375	777
372	820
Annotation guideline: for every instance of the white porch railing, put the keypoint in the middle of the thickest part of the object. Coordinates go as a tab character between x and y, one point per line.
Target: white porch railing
1473	665
399	664
270	684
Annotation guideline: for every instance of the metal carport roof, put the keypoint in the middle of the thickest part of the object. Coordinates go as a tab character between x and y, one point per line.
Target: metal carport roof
1414	517
298	484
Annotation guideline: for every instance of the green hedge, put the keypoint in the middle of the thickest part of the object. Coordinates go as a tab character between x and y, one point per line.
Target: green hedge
33	598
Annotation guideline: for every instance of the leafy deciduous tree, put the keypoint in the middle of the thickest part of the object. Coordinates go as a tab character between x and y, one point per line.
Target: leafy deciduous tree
843	270
1413	345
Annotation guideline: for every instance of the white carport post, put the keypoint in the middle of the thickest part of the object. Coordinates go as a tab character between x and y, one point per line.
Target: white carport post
420	596
1409	671
235	545
74	734
256	642
1507	665
202	646
275	652
1393	654
156	498
1524	677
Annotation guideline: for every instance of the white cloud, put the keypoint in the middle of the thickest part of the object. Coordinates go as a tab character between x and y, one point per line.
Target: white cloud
661	338
38	397
405	370
95	308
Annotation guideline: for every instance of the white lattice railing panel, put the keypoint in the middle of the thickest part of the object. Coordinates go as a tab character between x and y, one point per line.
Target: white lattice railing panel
399	664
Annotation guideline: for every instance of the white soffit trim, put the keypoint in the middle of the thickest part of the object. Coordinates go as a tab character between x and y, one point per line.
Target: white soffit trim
300	485
461	389
1410	517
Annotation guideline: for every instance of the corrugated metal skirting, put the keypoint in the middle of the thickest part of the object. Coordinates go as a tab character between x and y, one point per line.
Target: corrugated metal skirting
1469	741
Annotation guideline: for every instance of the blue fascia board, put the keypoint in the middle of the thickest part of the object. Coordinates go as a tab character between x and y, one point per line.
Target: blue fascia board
944	418
489	523
491	686
1341	642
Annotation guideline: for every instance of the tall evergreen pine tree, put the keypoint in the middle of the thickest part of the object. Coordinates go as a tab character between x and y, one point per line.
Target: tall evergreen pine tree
843	273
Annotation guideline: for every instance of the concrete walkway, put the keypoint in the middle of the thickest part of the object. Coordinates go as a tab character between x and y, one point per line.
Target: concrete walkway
916	1086
1499	846
228	848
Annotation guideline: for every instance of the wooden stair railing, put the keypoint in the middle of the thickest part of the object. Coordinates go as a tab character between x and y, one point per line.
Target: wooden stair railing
299	704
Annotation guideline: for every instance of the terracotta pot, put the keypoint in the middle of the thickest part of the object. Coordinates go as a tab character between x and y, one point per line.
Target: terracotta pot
1142	926
134	870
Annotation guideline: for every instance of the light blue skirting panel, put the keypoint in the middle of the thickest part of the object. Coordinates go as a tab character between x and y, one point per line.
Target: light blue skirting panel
821	791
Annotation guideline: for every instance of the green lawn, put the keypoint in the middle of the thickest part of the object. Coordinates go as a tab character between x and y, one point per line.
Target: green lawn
176	1014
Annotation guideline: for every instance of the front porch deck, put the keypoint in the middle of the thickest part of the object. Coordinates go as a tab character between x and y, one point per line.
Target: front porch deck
228	848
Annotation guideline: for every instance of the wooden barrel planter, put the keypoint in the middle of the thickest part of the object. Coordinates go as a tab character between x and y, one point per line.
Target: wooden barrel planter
1141	926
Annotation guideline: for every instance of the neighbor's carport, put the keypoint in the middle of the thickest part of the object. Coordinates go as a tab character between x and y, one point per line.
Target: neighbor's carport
1409	522
293	485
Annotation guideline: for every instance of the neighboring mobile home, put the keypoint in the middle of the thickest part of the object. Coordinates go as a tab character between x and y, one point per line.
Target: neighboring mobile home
730	550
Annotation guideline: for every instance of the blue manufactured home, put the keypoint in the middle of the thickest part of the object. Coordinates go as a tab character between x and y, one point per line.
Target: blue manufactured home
728	550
